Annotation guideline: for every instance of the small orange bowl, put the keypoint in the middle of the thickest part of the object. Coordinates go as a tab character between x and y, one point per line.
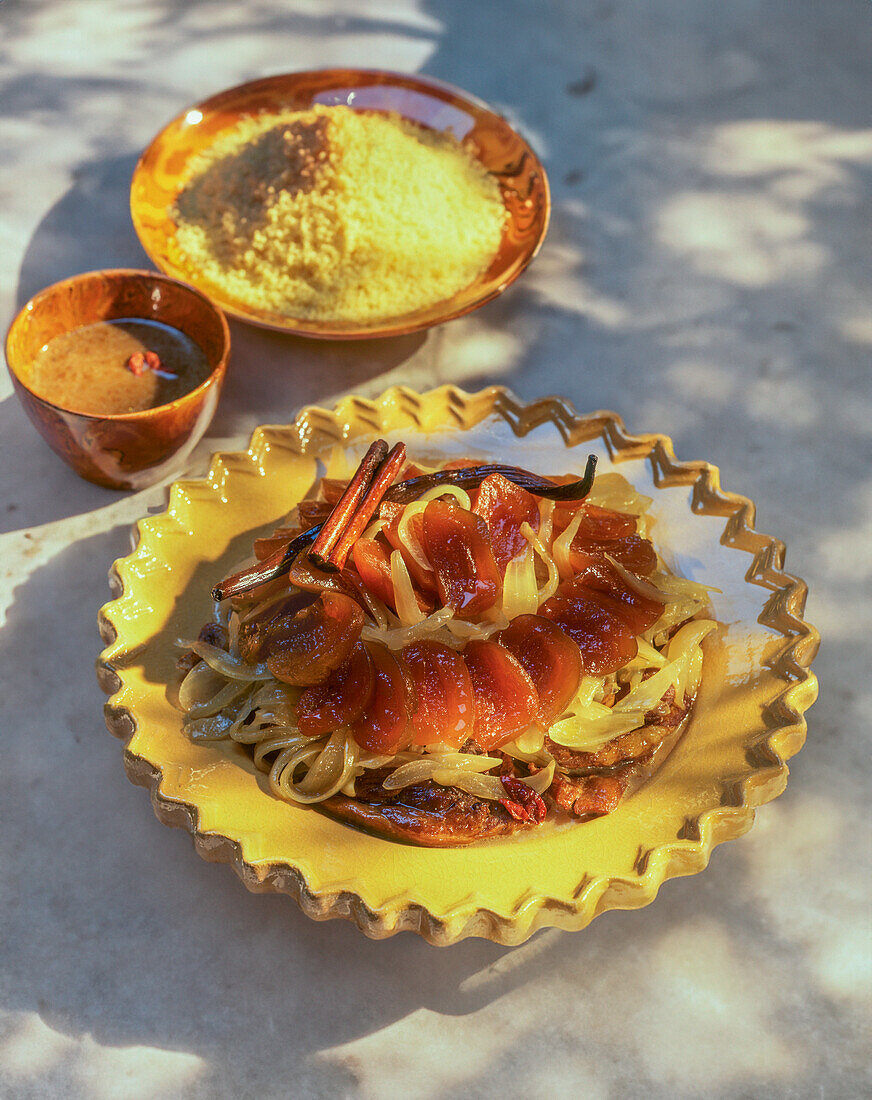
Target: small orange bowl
123	450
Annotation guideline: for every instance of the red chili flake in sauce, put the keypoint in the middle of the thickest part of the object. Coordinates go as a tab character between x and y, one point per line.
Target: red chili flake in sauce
141	361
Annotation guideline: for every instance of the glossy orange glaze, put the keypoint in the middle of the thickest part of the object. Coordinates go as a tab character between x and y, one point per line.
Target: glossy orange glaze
506	701
443	693
457	546
603	531
634	553
550	658
597	524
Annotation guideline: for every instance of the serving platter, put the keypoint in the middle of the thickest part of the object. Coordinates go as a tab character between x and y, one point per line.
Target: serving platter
748	720
160	173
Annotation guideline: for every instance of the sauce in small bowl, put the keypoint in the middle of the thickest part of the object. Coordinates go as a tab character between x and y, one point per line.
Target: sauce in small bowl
120	371
103	369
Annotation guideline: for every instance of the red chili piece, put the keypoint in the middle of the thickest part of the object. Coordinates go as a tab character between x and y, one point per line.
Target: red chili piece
141	361
524	804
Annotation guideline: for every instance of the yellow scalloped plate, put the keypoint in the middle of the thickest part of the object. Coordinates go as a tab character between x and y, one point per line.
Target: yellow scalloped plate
748	720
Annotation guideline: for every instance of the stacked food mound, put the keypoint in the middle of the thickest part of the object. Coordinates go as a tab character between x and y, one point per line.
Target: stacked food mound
455	655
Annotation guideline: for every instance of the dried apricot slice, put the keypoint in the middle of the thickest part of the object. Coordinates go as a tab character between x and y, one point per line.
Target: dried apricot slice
550	658
599	578
384	725
506	700
633	552
306	647
423	579
341	699
456	544
605	640
372	561
443	693
504	506
597	524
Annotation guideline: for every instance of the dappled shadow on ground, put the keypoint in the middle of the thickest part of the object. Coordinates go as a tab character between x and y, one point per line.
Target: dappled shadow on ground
272	375
88	228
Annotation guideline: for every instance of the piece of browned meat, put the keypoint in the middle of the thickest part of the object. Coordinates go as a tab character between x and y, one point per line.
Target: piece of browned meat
425	813
659	723
588	796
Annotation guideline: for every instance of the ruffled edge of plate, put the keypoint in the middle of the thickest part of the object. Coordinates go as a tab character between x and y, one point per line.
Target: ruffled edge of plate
316	428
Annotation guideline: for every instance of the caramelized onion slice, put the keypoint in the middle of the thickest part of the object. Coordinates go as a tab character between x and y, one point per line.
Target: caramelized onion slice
280	539
313	512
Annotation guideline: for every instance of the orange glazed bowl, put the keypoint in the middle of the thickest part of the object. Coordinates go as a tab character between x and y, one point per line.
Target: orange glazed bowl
120	450
493	142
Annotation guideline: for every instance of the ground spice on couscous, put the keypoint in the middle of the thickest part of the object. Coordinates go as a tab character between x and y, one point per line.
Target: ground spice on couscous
338	215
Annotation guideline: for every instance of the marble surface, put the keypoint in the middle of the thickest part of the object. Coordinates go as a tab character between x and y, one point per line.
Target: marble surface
706	275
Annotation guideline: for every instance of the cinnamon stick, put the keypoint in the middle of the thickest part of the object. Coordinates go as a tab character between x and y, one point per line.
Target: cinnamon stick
369	507
342	540
349	502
